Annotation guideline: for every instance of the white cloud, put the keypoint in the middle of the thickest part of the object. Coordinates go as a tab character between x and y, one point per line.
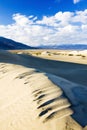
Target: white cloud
61	28
76	1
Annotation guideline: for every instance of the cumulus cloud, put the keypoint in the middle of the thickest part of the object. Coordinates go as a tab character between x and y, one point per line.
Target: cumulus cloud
76	1
61	28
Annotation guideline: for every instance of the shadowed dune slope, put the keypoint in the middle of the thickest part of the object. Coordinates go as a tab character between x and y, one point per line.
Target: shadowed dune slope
30	98
71	71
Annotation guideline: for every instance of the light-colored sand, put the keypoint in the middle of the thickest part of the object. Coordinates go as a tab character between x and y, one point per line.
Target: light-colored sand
31	99
61	55
69	56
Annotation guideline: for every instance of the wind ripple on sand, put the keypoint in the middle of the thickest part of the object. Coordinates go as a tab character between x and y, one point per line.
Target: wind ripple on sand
30	100
49	98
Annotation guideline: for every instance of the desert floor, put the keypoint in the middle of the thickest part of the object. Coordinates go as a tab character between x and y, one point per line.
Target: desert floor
43	90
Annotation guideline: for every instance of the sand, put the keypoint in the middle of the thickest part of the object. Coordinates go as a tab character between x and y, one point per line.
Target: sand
35	94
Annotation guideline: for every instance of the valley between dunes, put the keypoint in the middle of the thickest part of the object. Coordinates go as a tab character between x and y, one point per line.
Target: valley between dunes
42	94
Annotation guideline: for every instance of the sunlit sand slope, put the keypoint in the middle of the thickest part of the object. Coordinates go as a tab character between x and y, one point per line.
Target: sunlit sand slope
31	100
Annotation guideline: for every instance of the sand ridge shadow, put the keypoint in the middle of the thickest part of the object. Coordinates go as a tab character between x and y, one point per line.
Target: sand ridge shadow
77	95
69	71
49	107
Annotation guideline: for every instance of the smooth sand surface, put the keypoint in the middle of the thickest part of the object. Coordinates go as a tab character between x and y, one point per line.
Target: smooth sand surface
41	94
58	55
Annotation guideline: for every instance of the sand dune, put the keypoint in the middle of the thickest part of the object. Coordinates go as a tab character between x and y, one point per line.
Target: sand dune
32	98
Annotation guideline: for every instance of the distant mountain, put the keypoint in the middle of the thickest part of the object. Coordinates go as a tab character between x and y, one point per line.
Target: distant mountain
66	47
8	44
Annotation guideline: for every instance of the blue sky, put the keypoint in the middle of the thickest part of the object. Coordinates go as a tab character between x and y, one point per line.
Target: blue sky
37	8
25	20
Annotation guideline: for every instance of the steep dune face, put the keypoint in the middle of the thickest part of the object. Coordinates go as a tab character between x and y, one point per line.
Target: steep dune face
31	99
77	95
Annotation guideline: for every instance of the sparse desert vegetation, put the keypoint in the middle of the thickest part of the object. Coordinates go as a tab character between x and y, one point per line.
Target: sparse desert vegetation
63	55
70	54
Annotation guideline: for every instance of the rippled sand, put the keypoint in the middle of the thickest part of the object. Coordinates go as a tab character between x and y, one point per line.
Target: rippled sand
33	98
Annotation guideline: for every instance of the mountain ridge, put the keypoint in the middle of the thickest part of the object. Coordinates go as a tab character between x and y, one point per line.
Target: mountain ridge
9	44
66	47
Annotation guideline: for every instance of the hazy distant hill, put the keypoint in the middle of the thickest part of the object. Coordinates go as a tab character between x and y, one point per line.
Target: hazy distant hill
66	47
8	44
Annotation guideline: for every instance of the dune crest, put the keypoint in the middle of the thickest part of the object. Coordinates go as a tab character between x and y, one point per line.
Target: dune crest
31	99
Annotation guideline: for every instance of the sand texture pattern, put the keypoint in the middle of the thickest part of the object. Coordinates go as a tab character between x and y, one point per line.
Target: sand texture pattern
32	99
